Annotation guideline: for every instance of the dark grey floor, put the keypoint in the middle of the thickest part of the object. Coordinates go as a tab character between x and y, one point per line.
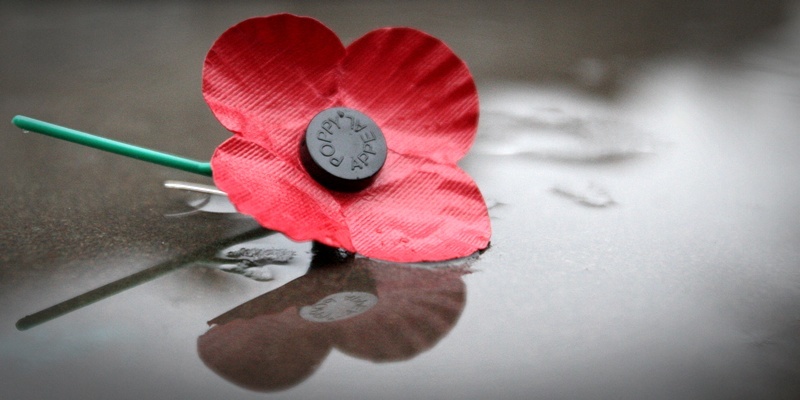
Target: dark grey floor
639	159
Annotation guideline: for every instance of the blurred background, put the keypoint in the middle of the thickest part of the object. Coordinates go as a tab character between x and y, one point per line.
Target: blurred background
639	159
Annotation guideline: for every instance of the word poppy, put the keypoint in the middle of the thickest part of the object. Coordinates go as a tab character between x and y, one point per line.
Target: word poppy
267	78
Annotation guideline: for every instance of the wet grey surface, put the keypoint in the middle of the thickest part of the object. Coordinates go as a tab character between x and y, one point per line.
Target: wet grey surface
639	159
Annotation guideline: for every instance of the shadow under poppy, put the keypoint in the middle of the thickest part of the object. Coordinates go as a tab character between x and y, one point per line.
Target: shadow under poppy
372	310
203	254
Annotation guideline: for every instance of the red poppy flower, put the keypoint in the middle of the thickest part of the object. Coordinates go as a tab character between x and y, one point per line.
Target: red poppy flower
266	78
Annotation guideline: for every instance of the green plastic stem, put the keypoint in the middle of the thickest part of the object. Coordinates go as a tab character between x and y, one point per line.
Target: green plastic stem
112	146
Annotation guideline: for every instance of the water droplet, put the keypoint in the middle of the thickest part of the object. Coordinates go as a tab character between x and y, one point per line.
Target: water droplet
492	203
235	268
589	194
261	256
260	274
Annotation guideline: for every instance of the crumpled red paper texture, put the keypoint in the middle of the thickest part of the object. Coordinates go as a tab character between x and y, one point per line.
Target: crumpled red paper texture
267	77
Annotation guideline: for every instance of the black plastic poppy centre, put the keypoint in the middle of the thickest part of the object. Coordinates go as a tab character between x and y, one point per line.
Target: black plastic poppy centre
343	149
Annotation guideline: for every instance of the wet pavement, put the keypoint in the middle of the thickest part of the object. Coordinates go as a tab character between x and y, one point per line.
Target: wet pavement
639	160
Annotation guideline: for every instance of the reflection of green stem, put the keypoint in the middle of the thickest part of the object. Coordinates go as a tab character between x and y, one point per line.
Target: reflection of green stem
112	146
138	278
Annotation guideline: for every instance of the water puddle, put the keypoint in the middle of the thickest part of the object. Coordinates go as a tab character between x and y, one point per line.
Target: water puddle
254	263
264	259
522	122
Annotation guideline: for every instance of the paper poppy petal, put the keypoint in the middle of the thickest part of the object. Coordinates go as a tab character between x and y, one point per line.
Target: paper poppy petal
418	211
278	194
265	78
418	91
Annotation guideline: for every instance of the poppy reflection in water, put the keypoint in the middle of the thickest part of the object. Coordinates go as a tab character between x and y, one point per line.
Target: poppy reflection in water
371	310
